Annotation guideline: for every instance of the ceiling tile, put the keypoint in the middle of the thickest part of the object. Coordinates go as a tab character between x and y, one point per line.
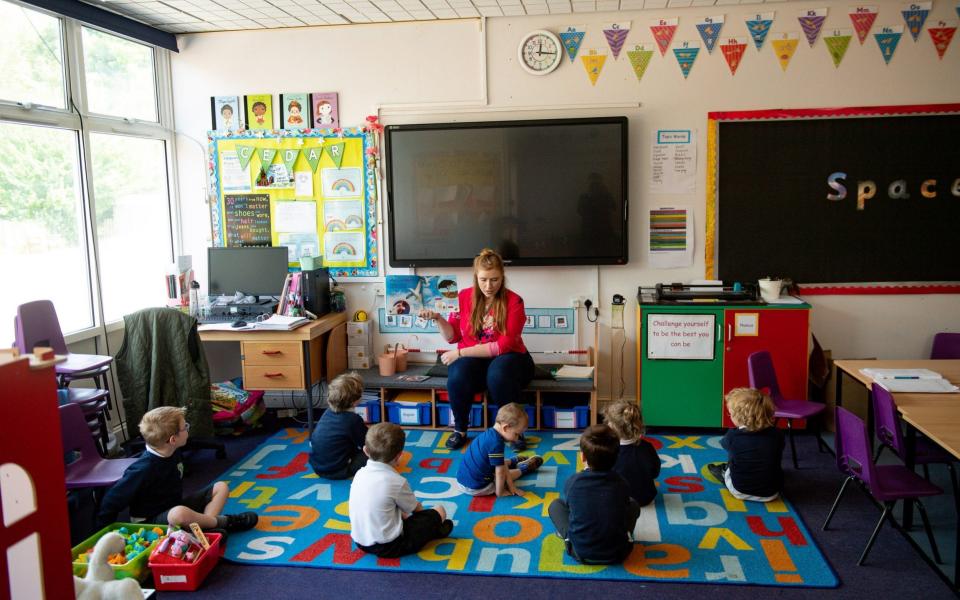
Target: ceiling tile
515	10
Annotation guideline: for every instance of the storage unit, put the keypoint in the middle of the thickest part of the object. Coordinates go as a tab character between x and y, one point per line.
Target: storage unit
359	353
690	356
170	574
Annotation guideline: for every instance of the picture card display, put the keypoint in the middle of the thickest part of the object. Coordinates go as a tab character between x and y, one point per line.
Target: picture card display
259	109
226	113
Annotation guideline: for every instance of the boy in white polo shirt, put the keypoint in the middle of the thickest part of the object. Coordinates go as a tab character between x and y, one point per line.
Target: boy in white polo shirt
386	519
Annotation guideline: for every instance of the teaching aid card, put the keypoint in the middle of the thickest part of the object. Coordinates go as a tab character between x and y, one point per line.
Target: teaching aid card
259	109
295	111
226	112
325	110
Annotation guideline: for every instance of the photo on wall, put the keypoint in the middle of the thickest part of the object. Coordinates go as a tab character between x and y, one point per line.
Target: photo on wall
295	111
226	114
259	111
326	113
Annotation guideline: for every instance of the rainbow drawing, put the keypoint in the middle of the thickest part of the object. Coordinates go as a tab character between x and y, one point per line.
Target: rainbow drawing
344	249
353	222
336	225
343	185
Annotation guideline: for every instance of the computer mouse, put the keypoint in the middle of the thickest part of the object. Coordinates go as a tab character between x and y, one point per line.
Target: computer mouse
239	323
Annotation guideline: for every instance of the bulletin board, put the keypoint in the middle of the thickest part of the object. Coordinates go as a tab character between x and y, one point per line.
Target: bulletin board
865	194
310	191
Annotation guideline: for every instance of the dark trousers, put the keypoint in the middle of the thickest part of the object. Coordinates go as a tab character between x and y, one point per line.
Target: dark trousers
504	377
559	512
418	529
356	462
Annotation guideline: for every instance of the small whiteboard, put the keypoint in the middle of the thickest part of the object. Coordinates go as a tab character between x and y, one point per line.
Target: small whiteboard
681	337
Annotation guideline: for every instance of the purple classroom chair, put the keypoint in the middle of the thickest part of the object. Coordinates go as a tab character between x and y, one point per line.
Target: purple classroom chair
90	469
763	376
889	432
885	483
945	346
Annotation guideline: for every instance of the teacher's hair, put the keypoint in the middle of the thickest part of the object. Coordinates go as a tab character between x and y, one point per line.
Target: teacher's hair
489	260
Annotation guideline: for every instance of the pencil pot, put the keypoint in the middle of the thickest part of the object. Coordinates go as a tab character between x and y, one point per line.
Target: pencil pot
388	364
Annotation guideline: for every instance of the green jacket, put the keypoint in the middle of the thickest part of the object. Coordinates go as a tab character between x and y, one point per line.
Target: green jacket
161	363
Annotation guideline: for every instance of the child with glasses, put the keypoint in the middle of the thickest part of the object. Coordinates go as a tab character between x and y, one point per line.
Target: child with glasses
152	487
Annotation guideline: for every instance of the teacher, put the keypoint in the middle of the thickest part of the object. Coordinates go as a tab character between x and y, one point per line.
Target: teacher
490	354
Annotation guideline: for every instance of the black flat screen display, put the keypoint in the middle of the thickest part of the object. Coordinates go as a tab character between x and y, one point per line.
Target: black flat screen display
550	192
258	271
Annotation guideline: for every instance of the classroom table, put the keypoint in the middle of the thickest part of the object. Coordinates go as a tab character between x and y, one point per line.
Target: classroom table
275	360
937	416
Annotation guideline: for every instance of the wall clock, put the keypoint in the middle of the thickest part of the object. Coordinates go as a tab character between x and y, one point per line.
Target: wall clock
540	52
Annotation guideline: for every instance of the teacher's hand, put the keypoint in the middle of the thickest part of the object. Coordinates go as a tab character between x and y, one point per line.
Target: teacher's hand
449	357
426	313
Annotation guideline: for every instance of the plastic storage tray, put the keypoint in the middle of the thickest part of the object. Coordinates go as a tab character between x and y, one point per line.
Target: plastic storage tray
576	417
408	414
172	574
369	411
135	568
445	415
531	415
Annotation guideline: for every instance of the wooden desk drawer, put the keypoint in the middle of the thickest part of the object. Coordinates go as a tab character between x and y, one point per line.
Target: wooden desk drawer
272	377
272	353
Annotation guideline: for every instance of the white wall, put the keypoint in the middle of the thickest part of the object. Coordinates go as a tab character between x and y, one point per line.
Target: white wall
434	69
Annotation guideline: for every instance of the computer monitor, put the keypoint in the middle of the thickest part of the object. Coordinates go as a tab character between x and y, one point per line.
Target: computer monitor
254	271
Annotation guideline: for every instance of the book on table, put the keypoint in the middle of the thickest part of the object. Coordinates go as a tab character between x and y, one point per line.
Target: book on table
910	380
573	372
281	322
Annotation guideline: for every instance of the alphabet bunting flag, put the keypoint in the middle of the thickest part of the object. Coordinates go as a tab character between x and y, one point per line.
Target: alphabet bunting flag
733	50
863	18
266	156
686	55
887	40
785	44
313	155
709	29
915	16
616	34
245	153
640	59
289	156
759	27
593	63
811	21
335	152
942	34
663	30
837	42
571	38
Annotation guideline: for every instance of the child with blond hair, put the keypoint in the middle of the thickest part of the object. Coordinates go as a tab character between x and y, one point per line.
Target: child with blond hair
386	519
152	487
336	445
484	470
754	448
637	462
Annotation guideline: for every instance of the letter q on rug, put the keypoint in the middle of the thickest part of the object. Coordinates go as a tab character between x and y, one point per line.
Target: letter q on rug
694	532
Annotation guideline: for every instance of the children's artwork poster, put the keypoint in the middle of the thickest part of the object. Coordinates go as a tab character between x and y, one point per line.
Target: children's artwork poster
302	199
673	158
326	113
408	294
226	113
259	109
671	238
247	220
295	111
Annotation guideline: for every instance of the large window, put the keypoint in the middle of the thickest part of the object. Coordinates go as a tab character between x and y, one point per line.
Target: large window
85	203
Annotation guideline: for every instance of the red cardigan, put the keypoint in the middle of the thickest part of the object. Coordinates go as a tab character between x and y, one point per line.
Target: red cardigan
497	343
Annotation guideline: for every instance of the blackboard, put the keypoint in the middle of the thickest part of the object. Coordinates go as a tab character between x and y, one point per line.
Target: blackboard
774	218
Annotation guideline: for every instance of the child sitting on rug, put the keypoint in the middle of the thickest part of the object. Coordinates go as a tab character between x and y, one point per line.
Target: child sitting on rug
484	470
152	487
336	445
637	461
596	513
386	519
754	448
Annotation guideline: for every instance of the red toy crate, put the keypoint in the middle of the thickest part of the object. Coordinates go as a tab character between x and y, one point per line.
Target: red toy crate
442	396
170	574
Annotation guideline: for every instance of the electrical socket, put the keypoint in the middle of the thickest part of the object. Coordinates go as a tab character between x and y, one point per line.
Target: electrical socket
575	302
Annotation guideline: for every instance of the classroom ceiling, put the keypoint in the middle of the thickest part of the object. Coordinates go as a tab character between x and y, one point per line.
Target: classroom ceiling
194	16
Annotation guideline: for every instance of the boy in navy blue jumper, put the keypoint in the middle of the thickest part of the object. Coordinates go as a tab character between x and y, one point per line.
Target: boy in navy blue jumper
336	446
484	469
152	487
596	513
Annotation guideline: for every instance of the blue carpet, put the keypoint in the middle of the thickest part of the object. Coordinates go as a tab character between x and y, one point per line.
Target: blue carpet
697	532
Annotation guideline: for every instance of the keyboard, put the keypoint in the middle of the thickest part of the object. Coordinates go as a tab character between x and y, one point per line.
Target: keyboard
209	319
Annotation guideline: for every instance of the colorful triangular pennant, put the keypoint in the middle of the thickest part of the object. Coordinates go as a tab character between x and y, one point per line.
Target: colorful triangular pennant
335	152
709	29
837	42
733	50
593	63
759	27
887	39
915	16
811	21
571	38
863	18
313	155
289	156
663	30
686	55
941	35
785	44
616	34
245	153
266	156
640	59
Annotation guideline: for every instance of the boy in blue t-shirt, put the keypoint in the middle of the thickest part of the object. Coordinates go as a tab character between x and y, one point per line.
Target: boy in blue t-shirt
336	445
484	470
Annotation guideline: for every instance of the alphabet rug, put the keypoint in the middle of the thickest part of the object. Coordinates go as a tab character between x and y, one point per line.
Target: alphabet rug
694	531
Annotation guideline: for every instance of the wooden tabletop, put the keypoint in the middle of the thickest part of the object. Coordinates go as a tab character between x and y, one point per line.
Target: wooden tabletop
311	330
935	415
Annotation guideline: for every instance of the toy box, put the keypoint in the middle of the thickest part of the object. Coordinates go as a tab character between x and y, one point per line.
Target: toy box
445	415
171	574
576	417
135	568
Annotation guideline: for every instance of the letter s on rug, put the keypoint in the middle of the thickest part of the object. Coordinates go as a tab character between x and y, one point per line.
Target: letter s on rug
100	582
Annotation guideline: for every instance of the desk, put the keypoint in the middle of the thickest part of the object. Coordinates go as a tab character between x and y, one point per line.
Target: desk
285	360
935	415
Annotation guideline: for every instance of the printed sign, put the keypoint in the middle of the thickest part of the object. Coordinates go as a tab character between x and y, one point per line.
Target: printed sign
681	337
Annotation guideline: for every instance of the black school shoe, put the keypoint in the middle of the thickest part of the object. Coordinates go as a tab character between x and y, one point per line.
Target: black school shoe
718	470
446	528
242	521
456	440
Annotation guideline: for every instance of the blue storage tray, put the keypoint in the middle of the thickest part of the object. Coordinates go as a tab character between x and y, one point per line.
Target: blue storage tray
369	410
576	417
531	415
406	414
445	417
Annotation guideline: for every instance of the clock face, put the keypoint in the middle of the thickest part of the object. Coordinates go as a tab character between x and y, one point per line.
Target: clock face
540	52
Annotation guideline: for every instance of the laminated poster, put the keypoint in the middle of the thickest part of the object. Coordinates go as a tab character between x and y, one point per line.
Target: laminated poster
407	294
671	238
673	158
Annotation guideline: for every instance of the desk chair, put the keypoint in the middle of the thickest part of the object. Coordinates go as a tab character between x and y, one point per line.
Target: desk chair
945	346
90	470
764	377
885	483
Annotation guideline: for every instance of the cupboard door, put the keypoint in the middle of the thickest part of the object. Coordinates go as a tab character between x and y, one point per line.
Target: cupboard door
783	332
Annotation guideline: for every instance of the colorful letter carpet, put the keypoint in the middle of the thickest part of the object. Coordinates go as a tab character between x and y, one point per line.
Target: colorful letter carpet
697	531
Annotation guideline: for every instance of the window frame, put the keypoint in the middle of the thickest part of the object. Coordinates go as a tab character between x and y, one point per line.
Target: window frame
78	119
